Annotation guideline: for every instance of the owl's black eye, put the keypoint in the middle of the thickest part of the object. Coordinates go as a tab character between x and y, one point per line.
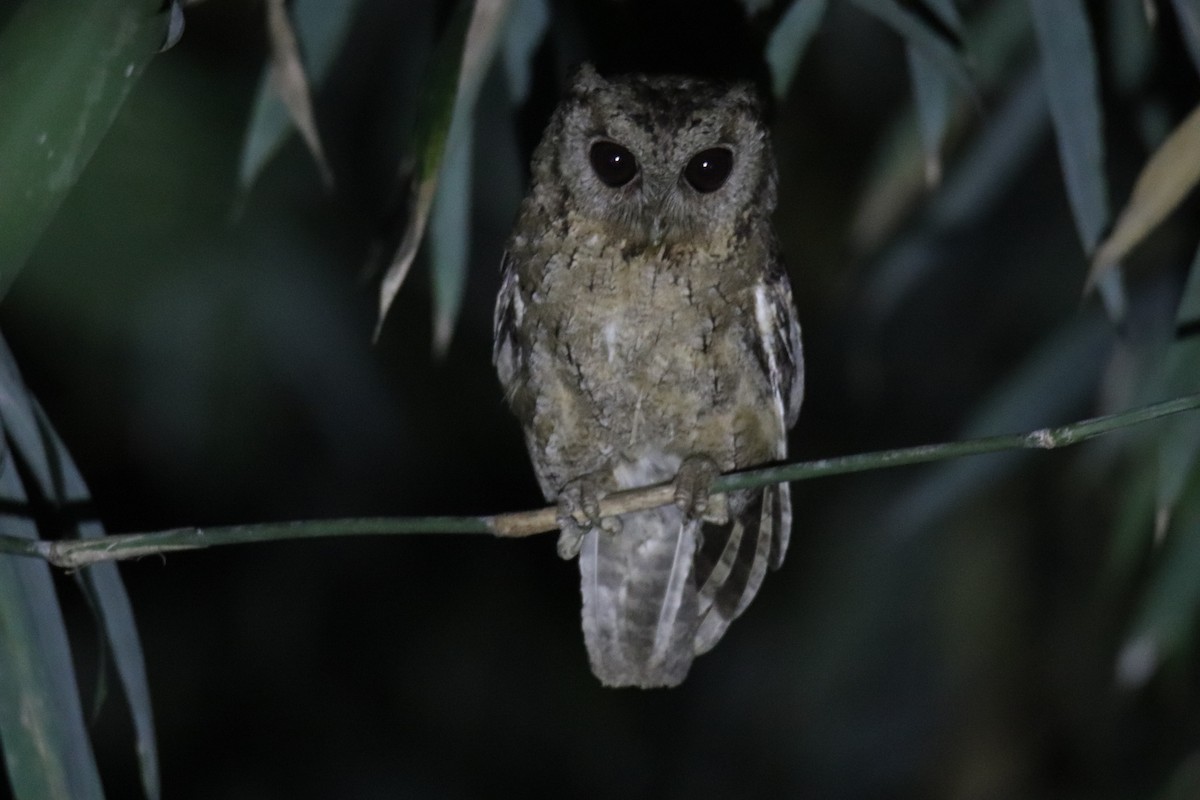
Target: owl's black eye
709	169
613	164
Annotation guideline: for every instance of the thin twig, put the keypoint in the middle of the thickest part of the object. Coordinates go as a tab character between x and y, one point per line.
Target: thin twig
75	553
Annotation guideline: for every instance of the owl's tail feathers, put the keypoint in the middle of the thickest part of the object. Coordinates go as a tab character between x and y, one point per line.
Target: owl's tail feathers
639	599
733	558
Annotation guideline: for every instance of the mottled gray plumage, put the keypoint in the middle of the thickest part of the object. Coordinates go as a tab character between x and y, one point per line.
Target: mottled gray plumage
645	332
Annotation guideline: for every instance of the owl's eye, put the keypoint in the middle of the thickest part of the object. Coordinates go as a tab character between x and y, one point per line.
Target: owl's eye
613	164
709	169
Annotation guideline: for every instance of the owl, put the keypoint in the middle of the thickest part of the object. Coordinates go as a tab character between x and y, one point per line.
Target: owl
645	333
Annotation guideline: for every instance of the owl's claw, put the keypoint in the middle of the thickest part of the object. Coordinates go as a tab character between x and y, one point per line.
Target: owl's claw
692	484
579	512
570	541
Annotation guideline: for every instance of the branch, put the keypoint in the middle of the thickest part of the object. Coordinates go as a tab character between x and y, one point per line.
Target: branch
75	553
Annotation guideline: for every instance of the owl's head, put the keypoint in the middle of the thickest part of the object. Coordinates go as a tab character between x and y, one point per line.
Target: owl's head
659	159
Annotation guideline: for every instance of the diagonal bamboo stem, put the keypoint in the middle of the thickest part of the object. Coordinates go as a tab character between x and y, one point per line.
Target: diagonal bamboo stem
75	553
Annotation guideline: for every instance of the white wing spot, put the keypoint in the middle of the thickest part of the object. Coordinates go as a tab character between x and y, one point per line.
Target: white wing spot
610	340
764	315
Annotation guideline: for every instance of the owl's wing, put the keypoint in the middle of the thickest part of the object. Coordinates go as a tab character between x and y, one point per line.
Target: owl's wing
732	559
779	338
509	352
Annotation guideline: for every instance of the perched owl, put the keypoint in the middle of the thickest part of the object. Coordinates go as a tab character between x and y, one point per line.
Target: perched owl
645	332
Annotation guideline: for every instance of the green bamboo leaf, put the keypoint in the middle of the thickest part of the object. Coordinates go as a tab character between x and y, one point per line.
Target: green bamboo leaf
42	729
110	603
1130	44
449	236
19	420
462	58
35	442
46	748
926	32
291	81
998	34
1188	14
1163	624
528	23
947	14
1164	182
1179	448
1133	524
932	94
1071	78
987	169
66	70
517	30
434	116
789	41
1184	783
320	28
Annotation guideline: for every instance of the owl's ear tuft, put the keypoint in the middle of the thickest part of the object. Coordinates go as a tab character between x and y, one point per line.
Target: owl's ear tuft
746	94
585	80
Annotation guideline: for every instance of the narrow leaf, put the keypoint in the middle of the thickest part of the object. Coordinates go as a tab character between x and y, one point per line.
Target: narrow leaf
926	33
1071	77
1163	624
19	419
1130	44
931	91
947	14
110	602
463	56
291	81
448	239
1179	441
1188	14
42	729
46	748
59	482
321	28
1170	174
1185	781
790	39
68	68
530	19
434	116
998	35
987	169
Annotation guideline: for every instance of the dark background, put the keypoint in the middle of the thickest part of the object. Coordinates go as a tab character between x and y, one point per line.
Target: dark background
942	631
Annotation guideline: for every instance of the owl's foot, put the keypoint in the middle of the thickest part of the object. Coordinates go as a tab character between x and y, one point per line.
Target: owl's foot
579	512
692	485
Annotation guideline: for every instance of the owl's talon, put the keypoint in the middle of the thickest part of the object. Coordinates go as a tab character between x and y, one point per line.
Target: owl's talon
570	542
692	484
579	512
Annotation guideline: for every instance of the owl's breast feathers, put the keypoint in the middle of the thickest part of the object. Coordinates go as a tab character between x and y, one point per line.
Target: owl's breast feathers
624	360
645	347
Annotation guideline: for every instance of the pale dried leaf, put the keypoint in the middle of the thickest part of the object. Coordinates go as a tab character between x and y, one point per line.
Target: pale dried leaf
1170	174
291	81
473	42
